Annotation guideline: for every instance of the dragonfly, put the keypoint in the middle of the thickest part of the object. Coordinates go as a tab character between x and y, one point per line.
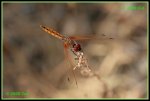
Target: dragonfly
70	42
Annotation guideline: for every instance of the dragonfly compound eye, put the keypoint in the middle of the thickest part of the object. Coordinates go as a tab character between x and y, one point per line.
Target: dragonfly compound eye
77	47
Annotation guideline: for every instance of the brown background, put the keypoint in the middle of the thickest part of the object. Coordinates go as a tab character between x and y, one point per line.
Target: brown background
33	61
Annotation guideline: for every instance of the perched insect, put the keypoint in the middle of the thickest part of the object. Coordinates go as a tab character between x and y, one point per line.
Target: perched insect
71	43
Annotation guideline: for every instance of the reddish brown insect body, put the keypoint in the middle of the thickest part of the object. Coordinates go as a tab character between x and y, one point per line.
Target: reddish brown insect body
70	43
76	47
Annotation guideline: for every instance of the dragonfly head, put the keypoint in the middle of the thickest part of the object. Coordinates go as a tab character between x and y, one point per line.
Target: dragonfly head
77	47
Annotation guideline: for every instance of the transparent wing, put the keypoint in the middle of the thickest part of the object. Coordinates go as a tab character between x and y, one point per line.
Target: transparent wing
81	37
103	36
68	59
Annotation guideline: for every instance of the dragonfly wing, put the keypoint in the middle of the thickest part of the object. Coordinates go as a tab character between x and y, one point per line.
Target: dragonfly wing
81	37
89	37
67	58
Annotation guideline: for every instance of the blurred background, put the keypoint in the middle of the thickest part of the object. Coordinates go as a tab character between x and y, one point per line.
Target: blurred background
34	62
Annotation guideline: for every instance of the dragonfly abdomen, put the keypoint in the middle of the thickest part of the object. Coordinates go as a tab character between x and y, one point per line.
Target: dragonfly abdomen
52	32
